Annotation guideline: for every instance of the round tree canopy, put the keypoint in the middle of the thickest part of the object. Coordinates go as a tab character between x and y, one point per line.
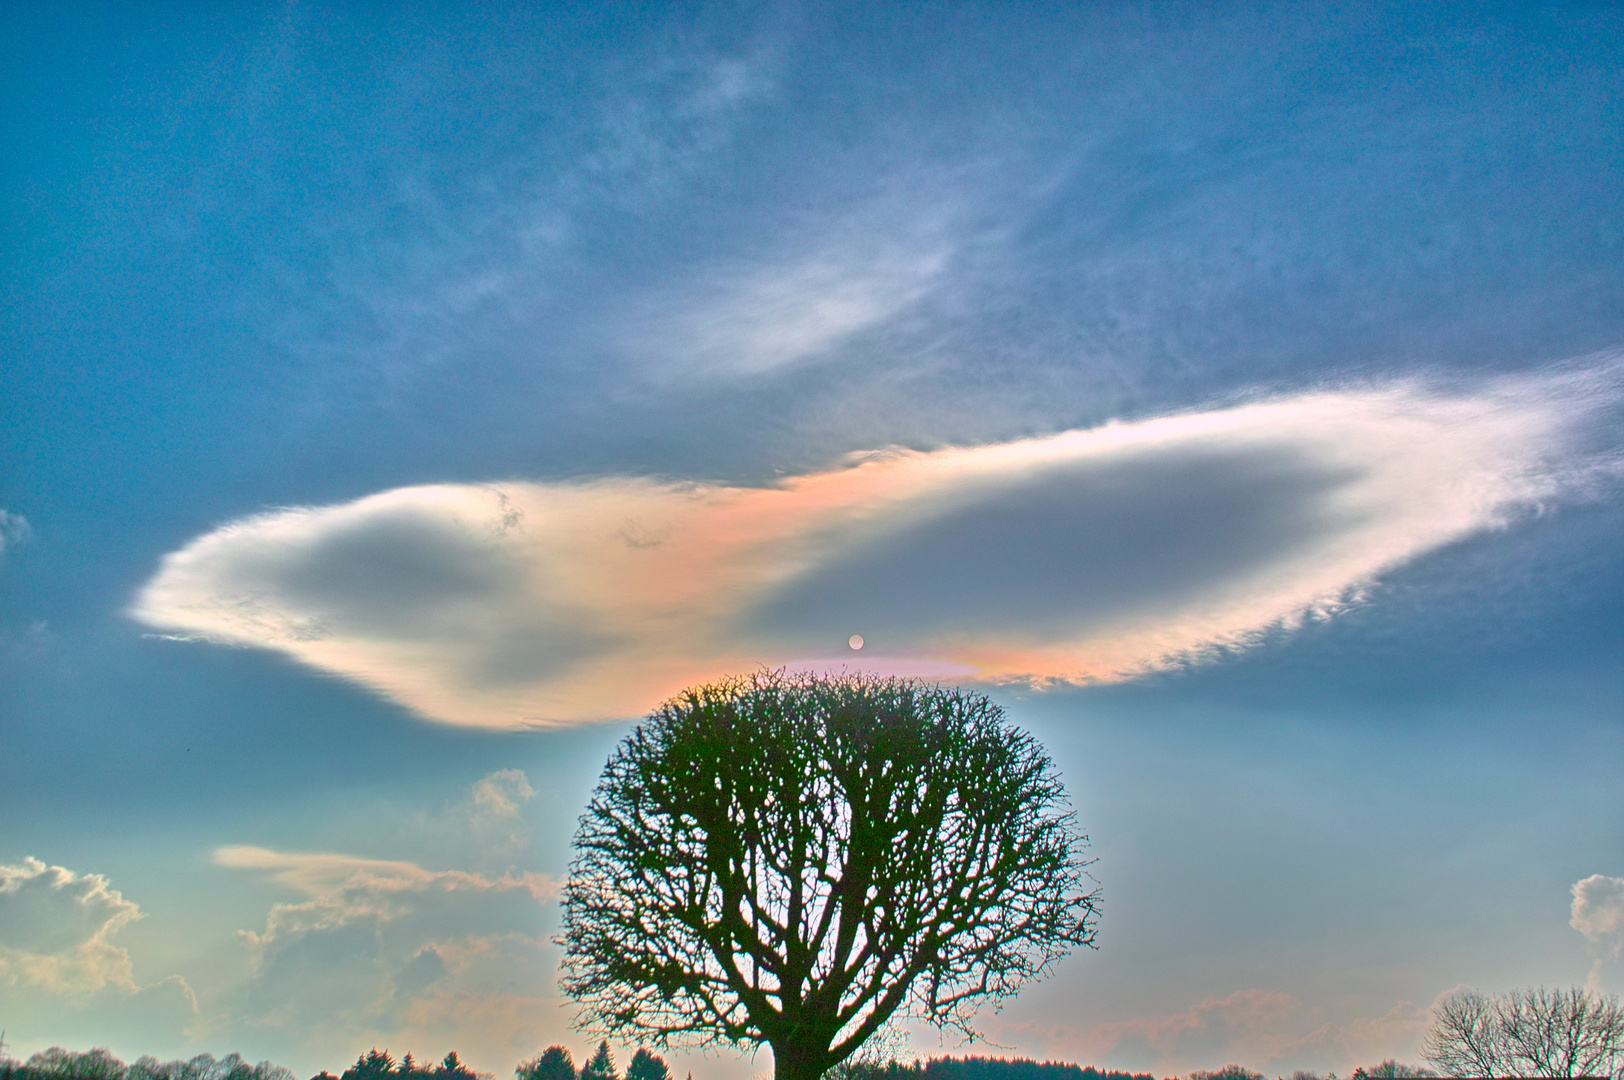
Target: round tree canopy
794	859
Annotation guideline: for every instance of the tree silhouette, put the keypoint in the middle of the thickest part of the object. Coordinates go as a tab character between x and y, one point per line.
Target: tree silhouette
1392	1069
647	1066
1228	1072
56	1063
453	1069
372	1065
601	1066
1547	1033
554	1063
791	860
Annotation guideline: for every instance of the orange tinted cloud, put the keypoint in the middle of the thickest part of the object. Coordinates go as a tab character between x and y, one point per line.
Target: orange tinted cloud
1091	554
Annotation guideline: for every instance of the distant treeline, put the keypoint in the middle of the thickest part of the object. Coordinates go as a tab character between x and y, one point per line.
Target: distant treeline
982	1068
376	1064
59	1064
554	1064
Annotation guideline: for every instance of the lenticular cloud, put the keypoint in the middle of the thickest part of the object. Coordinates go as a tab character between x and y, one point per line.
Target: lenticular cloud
1095	554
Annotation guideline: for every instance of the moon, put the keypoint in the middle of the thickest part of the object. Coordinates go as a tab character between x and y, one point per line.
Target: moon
856	641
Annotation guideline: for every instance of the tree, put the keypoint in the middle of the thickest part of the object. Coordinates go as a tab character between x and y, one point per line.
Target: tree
375	1064
791	860
59	1064
647	1066
452	1069
1228	1072
602	1065
554	1063
1539	1032
97	1064
1392	1070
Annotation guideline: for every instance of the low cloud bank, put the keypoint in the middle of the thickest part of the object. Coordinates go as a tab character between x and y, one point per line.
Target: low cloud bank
56	935
1261	1028
56	928
1097	554
389	950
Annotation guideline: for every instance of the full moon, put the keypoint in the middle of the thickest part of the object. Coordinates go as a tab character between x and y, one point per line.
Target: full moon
856	641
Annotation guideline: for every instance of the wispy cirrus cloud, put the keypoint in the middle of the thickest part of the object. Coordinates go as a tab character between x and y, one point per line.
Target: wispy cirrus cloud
764	315
454	261
14	530
320	874
1093	554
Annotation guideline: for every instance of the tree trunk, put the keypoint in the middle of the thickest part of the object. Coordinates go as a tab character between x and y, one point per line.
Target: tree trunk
792	1062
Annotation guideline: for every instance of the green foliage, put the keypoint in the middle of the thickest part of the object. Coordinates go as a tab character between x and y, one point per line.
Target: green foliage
375	1064
602	1065
453	1069
554	1063
647	1066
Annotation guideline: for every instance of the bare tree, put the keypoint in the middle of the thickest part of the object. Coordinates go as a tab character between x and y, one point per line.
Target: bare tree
1538	1032
1228	1072
793	860
1391	1069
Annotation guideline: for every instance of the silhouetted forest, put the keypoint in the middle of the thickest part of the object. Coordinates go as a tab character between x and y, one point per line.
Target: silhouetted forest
59	1064
982	1068
555	1063
376	1064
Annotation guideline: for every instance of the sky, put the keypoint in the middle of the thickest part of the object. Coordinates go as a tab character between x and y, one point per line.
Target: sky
399	401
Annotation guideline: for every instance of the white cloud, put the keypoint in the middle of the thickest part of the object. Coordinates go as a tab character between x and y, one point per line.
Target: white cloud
485	826
342	885
316	873
55	927
1092	554
494	812
56	930
14	530
1598	910
498	797
389	950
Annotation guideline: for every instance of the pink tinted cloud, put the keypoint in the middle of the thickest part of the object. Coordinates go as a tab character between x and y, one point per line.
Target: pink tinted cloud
537	604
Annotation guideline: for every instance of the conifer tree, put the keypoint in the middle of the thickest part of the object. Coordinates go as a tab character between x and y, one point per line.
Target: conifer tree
647	1066
602	1065
453	1069
554	1063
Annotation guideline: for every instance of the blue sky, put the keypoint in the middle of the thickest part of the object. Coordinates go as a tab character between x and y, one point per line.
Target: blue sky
397	403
